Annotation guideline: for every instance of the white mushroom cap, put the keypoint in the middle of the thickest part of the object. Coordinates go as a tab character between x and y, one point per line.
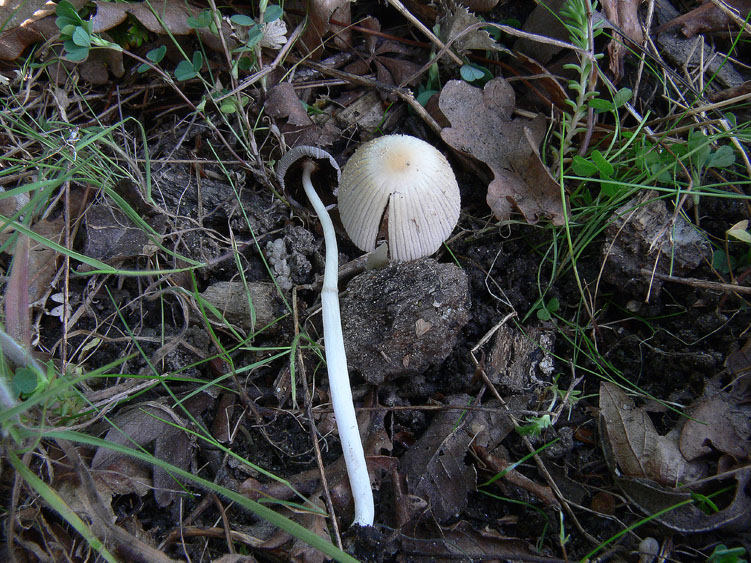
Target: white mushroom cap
410	177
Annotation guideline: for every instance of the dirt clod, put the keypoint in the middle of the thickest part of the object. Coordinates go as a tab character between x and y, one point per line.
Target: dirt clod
403	318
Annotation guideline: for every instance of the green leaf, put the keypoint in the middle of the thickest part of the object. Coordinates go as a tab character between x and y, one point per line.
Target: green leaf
600	105
75	53
197	61
245	63
424	96
228	107
606	169
622	96
243	20
722	157
204	19
739	231
272	13
185	71
255	34
81	38
610	189
25	381
66	26
701	156
583	167
543	314
553	305
720	261
156	55
66	15
470	72
143	68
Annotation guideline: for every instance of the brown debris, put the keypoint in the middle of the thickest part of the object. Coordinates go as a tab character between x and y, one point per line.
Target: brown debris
482	127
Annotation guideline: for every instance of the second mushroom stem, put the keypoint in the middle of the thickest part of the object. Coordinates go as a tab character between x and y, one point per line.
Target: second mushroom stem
336	360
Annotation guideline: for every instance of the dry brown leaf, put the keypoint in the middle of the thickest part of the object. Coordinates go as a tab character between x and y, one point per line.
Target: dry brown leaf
637	447
463	541
17	315
624	14
457	22
298	128
435	467
283	103
718	424
545	21
389	70
707	18
112	238
43	259
147	423
320	15
482	127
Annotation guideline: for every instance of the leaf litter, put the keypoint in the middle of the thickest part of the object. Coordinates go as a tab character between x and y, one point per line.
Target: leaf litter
482	127
428	431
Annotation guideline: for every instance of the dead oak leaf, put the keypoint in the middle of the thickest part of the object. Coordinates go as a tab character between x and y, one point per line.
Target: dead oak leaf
389	69
299	129
630	438
482	127
454	26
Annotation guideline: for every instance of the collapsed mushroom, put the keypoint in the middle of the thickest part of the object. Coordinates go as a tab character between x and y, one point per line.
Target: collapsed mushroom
336	359
405	182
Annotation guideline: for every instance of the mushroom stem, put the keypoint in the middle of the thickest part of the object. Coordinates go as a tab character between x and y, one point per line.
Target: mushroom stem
336	361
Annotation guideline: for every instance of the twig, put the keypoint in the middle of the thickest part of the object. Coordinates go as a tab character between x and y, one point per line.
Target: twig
695	282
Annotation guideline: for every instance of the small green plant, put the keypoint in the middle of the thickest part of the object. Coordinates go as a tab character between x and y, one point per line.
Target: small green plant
475	74
724	554
535	425
583	29
77	34
545	311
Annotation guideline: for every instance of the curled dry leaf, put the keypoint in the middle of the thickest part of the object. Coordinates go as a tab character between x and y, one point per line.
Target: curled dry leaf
639	450
718	424
708	17
152	422
388	69
456	23
321	17
434	466
482	127
299	129
624	15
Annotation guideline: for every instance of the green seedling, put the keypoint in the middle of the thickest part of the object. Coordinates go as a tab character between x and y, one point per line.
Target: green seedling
475	74
546	310
535	425
77	34
724	554
596	164
189	69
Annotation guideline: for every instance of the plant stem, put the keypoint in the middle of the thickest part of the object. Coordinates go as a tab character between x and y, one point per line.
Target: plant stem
336	360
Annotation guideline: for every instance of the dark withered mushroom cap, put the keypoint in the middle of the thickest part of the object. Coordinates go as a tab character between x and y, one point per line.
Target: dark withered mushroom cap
407	182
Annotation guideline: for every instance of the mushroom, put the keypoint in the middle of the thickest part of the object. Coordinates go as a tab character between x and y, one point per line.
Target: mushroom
409	184
336	359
